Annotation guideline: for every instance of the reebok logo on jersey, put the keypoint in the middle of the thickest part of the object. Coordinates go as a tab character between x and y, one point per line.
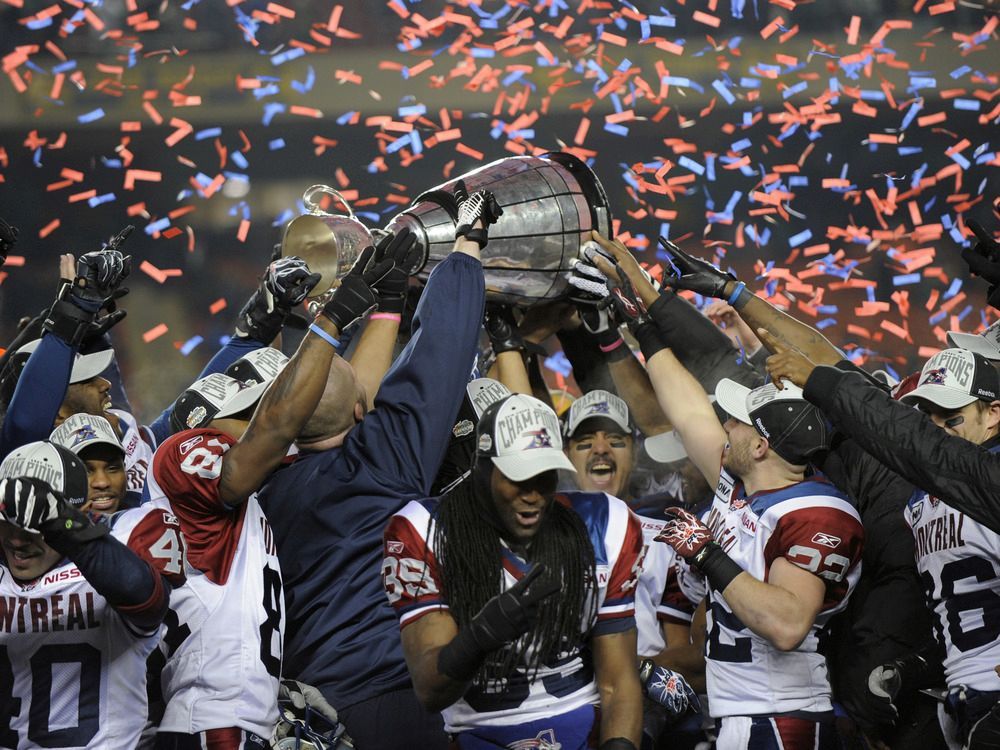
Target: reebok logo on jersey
190	443
395	548
827	540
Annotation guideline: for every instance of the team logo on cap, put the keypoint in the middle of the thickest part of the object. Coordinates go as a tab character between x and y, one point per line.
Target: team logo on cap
82	434
485	443
935	377
539	439
601	407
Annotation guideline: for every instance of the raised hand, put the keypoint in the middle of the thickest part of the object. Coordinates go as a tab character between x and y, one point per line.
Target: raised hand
696	275
786	362
285	284
480	207
99	274
355	297
391	289
502	329
508	616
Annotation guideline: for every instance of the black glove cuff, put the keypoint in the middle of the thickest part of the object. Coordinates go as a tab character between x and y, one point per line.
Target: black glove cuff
70	531
68	322
352	301
462	658
612	345
650	343
392	303
478	236
718	568
256	322
646	667
618	743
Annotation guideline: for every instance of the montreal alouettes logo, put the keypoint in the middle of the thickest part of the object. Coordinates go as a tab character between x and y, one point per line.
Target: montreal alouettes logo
936	376
539	438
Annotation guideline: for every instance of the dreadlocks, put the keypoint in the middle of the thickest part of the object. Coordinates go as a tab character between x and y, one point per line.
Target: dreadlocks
469	559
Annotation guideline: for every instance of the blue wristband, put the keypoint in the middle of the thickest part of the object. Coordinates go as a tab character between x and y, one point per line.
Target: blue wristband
740	286
325	336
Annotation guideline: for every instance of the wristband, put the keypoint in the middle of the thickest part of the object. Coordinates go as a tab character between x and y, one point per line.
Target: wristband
386	316
740	297
650	343
462	657
740	286
325	336
718	568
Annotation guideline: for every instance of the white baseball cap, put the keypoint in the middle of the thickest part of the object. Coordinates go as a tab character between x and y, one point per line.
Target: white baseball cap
598	405
954	378
985	344
81	431
85	366
520	434
213	397
483	392
665	448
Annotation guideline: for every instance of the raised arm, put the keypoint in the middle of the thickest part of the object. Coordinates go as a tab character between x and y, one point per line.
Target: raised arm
293	396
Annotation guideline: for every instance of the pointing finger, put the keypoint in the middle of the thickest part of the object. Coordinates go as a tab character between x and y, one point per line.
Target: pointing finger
772	342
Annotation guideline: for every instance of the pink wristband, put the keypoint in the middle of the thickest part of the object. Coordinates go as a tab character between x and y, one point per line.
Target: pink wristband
611	347
385	316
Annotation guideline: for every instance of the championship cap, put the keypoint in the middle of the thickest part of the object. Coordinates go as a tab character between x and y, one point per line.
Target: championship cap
259	366
601	410
483	392
986	344
213	397
794	428
520	434
58	467
81	431
954	378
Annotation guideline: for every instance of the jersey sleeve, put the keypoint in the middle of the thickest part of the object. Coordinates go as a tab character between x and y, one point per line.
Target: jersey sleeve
409	572
617	611
187	468
826	541
157	539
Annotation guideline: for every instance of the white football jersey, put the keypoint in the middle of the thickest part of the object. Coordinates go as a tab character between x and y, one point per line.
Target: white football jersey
224	641
412	583
138	451
959	563
810	524
72	669
658	563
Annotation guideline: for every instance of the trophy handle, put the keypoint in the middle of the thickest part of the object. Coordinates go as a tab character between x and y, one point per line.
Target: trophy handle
314	207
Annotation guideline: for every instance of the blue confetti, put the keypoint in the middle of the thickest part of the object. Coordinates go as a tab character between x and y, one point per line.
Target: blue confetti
190	344
95	114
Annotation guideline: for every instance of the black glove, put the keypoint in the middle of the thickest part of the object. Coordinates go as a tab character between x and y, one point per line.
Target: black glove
502	620
33	505
286	283
390	292
355	297
984	261
480	206
894	680
502	329
618	743
622	298
697	275
97	285
8	238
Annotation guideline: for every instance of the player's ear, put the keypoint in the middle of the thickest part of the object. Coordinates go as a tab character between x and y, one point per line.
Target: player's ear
359	412
760	448
993	415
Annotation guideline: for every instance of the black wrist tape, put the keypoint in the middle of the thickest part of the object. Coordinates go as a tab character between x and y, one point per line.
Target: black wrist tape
462	658
650	342
718	568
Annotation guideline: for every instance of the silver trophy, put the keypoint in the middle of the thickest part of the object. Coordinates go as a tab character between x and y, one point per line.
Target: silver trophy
550	205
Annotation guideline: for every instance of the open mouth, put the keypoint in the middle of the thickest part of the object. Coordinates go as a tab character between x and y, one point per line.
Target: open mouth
601	473
528	518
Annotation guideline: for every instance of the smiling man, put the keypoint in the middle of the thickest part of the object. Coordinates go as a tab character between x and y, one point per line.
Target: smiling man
95	442
473	577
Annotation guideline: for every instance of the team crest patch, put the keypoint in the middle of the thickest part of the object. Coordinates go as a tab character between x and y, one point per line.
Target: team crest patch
546	740
485	443
737	503
87	432
935	377
601	407
540	438
915	512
